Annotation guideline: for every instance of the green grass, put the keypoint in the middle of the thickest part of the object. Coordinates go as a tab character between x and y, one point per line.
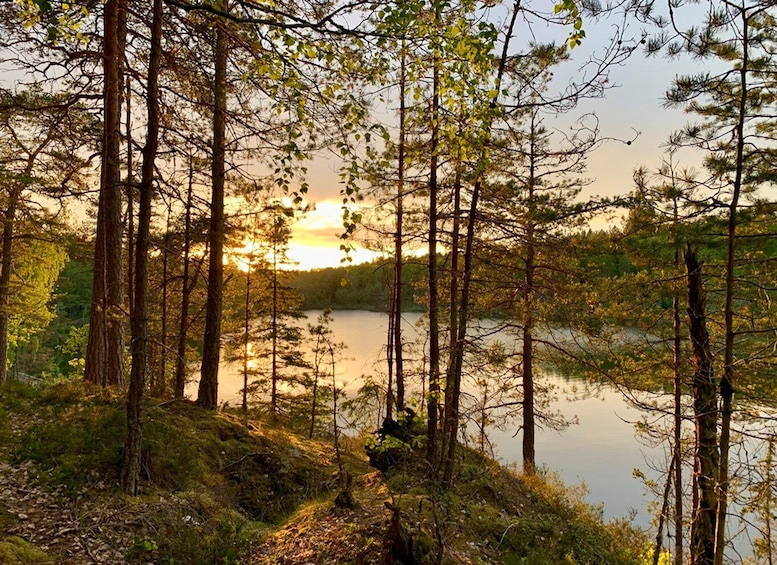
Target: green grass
515	519
16	551
211	488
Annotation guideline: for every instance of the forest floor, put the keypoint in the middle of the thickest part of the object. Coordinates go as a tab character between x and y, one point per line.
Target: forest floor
216	492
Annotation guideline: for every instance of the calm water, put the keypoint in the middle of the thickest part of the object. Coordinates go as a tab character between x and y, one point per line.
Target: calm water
600	450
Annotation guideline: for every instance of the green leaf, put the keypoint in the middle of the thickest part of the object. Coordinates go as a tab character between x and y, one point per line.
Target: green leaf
43	5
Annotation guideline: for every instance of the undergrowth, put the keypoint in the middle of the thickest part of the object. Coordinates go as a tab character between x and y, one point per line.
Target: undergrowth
212	490
503	517
220	485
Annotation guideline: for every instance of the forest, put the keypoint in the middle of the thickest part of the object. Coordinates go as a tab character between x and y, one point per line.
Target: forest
155	160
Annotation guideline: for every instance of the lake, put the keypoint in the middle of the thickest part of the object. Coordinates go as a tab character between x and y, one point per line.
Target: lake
600	450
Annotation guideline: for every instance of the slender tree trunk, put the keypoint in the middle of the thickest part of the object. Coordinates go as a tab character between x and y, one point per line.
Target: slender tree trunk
395	340
705	415
727	380
207	395
314	402
453	378
677	448
469	248
483	421
398	257
274	323
529	462
677	451
767	512
335	427
132	448
527	378
390	359
130	188
432	405
105	351
662	517
162	386
6	266
246	341
186	290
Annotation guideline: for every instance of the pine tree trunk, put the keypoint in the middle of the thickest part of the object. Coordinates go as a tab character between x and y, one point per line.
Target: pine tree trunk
207	395
132	448
395	339
6	266
246	341
186	291
727	380
105	350
162	385
453	377
677	450
130	190
398	258
432	406
527	377
274	325
705	409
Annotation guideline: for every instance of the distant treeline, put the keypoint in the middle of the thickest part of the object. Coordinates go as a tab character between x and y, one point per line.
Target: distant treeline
366	286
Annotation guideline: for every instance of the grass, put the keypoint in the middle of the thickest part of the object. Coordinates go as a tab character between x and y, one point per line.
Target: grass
15	551
213	491
497	516
221	485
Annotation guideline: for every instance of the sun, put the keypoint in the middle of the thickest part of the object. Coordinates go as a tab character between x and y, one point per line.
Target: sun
315	242
308	256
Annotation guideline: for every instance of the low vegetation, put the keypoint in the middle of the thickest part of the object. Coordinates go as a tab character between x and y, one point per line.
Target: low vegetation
216	492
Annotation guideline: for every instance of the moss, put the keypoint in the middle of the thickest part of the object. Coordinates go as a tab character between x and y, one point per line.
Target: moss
6	518
76	445
16	551
213	488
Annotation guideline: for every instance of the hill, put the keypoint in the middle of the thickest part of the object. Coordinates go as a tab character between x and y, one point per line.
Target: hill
216	492
365	286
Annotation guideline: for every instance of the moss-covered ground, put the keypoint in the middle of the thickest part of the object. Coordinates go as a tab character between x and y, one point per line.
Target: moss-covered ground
215	491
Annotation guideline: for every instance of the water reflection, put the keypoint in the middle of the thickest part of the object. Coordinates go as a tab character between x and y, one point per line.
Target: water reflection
599	450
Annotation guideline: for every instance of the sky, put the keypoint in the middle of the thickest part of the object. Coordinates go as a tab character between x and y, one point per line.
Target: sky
633	109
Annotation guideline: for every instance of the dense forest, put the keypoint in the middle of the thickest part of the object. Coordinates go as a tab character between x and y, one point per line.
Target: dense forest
155	160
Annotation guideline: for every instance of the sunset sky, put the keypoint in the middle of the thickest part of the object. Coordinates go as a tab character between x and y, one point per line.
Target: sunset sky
631	110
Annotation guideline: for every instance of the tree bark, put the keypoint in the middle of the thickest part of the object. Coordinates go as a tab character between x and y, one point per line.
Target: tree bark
132	448
207	394
677	451
432	404
105	350
662	516
161	380
527	376
130	189
395	338
705	407
453	377
246	340
469	248
274	325
6	265
727	380
186	291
